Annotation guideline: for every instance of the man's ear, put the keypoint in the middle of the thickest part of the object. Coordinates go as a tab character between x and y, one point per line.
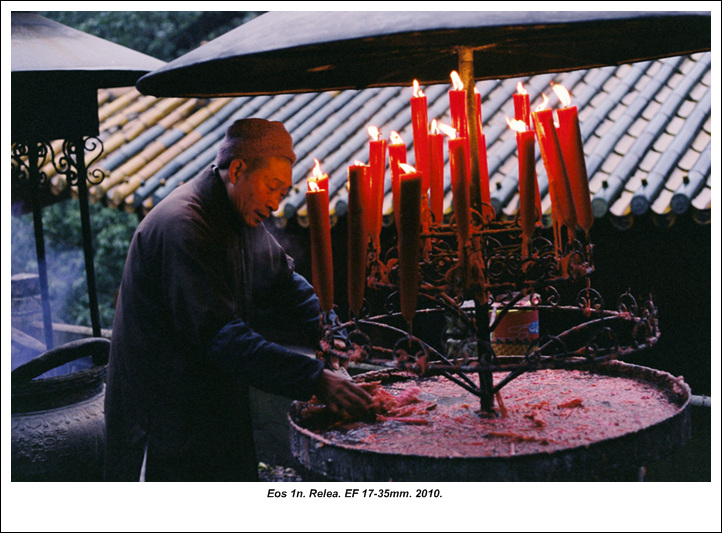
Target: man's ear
237	167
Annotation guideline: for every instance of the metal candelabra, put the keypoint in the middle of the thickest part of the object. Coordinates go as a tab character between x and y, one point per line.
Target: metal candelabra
498	273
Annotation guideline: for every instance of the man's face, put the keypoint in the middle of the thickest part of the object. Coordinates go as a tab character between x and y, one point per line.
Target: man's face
257	193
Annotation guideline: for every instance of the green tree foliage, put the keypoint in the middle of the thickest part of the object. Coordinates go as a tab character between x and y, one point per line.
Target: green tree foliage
164	35
111	234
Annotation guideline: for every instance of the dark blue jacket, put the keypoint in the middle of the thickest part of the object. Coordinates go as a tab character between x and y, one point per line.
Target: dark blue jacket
197	288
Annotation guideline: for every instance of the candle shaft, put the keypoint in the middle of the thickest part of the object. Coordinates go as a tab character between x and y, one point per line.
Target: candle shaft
321	256
409	243
458	109
522	108
458	161
420	125
570	141
377	164
397	154
527	182
561	192
436	175
357	237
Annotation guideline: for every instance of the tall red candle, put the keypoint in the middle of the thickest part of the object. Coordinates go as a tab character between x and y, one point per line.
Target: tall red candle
377	164
320	228
357	236
436	172
570	142
522	105
458	107
483	164
527	181
420	125
556	171
459	165
397	154
522	112
409	244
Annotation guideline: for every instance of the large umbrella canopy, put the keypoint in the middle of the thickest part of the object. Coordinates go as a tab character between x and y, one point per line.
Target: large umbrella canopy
293	52
56	73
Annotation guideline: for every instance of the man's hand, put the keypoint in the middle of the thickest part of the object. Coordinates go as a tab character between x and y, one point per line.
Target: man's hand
341	394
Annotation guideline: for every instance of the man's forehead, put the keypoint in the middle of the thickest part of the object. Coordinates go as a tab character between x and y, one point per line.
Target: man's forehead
278	172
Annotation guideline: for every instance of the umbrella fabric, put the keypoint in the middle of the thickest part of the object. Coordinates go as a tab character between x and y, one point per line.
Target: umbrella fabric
290	52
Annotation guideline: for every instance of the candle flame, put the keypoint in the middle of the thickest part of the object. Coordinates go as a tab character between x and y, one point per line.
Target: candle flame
434	127
408	169
516	125
317	174
396	138
520	88
312	185
448	130
544	103
456	81
358	163
563	95
417	92
374	133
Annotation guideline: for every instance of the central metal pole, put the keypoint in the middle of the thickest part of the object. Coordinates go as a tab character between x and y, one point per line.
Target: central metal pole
486	378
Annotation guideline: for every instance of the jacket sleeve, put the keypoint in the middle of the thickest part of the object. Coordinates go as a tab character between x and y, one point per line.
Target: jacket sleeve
247	355
283	299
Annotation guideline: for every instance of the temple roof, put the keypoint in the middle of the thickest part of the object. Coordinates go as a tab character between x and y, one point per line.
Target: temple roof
646	129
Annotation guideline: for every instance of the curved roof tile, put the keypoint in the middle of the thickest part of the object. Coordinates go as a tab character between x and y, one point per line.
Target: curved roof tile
646	130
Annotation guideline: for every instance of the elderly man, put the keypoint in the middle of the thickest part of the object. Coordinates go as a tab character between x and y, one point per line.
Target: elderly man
202	278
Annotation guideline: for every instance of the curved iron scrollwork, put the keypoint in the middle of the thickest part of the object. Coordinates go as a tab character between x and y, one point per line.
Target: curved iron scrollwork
484	290
21	164
66	162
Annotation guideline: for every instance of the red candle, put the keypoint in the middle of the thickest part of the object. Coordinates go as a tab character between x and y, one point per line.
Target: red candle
420	125
377	164
357	236
556	171
397	154
409	244
527	181
459	164
320	228
458	107
522	112
522	105
483	165
570	141
436	172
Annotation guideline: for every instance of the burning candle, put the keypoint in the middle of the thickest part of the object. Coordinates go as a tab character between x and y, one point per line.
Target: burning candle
561	193
458	106
522	112
527	181
420	124
436	172
459	164
570	142
357	235
397	155
483	165
377	164
320	227
409	240
522	105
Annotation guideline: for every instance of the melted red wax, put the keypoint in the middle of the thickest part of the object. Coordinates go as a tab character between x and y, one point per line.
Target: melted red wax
546	411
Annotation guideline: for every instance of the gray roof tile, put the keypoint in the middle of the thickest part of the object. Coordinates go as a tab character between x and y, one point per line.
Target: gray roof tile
646	128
